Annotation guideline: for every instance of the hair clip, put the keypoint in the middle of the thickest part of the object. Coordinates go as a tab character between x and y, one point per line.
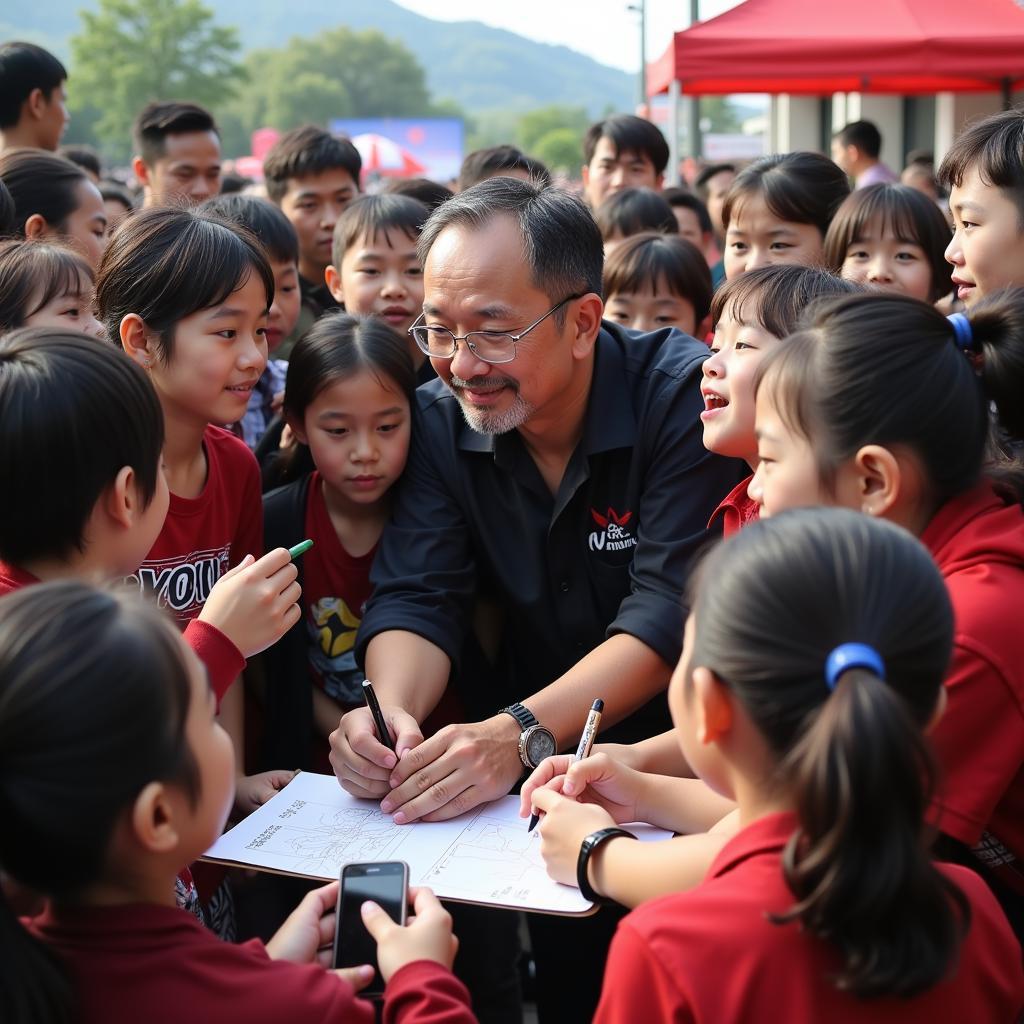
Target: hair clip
847	656
963	334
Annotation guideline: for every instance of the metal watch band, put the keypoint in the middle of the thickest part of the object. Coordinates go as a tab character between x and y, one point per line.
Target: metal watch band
523	715
587	848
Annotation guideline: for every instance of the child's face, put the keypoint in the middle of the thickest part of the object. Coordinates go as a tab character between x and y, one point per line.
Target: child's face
148	525
357	430
649	311
757	238
86	226
381	276
313	204
728	387
689	227
214	756
217	357
881	260
284	311
987	250
69	310
787	473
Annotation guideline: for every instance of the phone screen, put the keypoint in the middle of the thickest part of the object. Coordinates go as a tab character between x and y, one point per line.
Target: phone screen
385	883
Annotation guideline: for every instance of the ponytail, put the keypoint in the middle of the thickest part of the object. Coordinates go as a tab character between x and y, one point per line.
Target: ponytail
863	775
997	329
772	605
36	988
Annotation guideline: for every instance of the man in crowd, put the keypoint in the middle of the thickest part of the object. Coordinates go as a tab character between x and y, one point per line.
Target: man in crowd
33	110
856	149
177	153
622	152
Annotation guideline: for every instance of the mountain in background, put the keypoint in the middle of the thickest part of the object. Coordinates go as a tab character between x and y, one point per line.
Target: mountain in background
479	67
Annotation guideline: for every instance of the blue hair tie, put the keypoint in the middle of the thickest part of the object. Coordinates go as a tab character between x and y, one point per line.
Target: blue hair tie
963	334
847	656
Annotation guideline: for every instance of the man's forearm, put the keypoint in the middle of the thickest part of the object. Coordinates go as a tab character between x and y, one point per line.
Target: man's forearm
623	671
407	670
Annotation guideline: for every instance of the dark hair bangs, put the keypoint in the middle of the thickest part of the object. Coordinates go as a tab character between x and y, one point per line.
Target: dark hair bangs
371	216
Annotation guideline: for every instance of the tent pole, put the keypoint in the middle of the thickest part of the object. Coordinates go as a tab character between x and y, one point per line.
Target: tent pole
673	133
1007	94
694	133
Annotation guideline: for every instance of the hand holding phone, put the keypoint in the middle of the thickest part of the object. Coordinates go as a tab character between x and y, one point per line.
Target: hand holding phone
427	937
386	884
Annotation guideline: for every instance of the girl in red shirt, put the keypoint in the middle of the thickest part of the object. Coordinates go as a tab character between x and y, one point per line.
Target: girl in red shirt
347	400
812	664
115	771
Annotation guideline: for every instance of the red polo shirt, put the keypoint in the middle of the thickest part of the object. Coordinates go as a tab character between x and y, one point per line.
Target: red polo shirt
736	509
977	540
711	954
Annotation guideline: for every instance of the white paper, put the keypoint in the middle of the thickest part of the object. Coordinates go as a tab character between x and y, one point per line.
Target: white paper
313	827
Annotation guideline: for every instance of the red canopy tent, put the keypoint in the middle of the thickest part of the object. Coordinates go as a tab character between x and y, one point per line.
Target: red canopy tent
882	46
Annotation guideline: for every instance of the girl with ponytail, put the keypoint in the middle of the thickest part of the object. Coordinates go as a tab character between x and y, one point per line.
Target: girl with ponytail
885	406
812	665
113	773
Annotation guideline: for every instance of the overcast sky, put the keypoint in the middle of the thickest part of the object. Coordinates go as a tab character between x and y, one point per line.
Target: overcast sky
603	29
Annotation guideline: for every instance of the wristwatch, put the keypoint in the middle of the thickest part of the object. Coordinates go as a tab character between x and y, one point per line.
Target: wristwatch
535	742
587	848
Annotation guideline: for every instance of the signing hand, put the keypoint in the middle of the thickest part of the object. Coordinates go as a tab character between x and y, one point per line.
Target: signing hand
458	768
598	779
361	762
564	826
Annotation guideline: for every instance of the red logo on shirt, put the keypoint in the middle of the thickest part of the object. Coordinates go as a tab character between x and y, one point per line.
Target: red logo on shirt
612	533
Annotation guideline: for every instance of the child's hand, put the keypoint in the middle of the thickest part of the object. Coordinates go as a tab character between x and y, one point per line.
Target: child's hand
254	604
252	791
307	936
598	779
563	827
427	936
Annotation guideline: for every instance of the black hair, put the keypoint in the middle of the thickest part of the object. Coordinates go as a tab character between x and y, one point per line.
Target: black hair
371	216
165	264
629	134
423	190
561	243
771	605
33	274
491	162
69	401
644	260
862	134
161	118
112	190
83	156
879	368
994	146
776	298
679	197
42	183
263	219
308	151
25	67
94	698
700	183
903	211
7	211
801	187
632	210
232	183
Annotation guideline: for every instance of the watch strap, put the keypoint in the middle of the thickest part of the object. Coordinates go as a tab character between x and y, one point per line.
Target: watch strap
587	848
523	715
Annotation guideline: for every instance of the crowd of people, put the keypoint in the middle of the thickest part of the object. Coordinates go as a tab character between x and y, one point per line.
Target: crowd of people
740	459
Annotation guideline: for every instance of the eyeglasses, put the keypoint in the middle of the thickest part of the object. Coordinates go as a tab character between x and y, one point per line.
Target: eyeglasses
488	346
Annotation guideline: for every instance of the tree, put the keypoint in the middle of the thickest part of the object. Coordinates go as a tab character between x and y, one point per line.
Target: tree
130	52
538	124
560	149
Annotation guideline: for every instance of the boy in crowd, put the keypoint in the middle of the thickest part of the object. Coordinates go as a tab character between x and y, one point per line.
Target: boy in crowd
856	149
711	187
693	219
503	162
32	98
984	171
312	176
177	149
622	152
85	157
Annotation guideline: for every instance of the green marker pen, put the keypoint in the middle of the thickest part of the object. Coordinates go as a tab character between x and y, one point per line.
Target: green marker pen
299	549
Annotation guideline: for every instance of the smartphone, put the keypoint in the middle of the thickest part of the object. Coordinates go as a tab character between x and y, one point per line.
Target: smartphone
387	884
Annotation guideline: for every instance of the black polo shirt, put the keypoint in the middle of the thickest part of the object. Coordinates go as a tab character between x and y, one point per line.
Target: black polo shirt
609	554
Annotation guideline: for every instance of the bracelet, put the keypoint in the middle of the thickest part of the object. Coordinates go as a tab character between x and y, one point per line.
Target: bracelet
587	847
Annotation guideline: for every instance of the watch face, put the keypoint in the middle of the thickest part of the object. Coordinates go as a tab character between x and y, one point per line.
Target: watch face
539	744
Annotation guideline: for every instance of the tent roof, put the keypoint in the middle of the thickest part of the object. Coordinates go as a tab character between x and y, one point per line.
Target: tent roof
890	46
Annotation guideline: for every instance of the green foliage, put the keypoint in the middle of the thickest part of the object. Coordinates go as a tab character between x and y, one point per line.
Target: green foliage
541	124
132	51
560	149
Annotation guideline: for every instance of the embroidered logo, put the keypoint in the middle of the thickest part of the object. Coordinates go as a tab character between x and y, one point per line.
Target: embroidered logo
613	533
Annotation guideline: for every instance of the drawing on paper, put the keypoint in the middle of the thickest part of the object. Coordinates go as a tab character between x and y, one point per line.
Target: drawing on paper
318	838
